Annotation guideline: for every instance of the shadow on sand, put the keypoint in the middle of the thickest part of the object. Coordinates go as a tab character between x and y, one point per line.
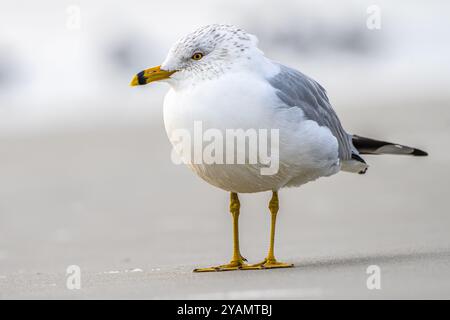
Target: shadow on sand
399	257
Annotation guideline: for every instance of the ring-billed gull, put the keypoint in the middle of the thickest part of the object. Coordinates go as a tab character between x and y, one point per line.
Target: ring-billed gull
219	77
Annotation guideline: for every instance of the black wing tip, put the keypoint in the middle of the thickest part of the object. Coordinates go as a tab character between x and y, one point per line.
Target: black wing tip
419	153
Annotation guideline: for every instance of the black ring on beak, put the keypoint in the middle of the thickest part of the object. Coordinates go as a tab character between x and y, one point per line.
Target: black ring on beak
141	79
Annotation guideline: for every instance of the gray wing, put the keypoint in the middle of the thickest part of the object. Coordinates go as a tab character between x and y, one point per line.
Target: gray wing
298	90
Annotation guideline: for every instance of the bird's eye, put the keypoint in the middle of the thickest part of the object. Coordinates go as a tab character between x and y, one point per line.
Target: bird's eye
197	56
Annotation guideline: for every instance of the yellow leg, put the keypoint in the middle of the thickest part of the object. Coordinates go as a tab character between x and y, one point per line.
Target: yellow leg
270	262
237	262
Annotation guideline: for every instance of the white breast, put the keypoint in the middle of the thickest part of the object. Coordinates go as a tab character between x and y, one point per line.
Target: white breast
245	101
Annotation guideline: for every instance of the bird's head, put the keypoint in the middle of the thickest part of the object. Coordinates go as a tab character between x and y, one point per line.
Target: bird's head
204	54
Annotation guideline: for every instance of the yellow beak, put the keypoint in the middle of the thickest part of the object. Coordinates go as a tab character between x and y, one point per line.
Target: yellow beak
150	75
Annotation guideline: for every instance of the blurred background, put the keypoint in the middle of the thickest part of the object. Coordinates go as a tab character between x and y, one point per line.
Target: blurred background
85	170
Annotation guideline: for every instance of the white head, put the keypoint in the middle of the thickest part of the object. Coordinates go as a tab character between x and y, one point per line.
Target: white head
204	54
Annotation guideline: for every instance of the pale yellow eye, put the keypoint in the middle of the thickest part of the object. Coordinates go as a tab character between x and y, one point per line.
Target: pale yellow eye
197	56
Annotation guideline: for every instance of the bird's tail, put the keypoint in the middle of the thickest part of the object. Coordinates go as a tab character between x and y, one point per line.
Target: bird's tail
364	145
372	146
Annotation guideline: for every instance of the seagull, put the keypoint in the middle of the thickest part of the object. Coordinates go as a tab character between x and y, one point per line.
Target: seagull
220	78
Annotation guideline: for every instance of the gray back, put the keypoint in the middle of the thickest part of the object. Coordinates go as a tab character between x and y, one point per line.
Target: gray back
298	90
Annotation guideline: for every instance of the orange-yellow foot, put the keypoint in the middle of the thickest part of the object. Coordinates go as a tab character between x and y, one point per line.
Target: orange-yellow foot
233	265
270	264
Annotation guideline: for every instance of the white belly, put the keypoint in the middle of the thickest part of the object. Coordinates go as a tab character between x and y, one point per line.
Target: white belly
306	151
